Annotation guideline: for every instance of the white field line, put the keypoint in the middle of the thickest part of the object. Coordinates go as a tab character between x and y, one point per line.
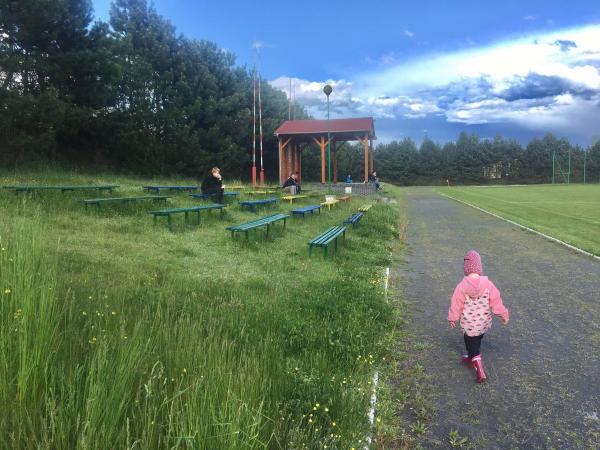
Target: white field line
371	413
373	400
531	230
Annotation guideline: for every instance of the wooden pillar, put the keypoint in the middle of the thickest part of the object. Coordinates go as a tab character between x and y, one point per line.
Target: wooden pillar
334	162
366	147
372	165
299	164
296	158
281	180
323	179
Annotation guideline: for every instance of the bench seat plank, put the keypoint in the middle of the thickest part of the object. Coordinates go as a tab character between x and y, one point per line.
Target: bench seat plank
253	224
354	219
305	209
253	203
186	210
98	201
324	239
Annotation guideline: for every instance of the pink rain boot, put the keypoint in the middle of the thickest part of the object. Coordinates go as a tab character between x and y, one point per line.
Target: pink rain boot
467	361
479	371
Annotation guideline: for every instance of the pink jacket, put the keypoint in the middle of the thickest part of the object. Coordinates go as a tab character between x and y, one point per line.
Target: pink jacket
473	302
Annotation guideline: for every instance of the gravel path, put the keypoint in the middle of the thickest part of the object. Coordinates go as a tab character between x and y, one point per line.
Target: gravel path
543	387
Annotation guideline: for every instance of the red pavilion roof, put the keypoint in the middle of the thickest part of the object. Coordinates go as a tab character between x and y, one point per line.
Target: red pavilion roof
344	128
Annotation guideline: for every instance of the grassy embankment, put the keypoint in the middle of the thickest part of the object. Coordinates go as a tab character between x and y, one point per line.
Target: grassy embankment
115	331
570	213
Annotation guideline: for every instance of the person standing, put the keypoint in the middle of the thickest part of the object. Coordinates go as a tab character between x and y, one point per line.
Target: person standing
474	301
213	184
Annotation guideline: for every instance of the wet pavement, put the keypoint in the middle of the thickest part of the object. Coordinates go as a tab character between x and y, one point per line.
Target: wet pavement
543	368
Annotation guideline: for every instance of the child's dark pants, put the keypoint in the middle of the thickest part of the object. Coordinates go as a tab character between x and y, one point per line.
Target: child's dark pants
473	344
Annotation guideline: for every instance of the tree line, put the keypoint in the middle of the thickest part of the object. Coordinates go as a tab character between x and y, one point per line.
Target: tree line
130	94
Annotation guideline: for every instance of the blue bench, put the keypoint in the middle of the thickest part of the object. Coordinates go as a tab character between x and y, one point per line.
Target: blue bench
252	204
354	219
306	209
327	237
263	222
170	188
225	194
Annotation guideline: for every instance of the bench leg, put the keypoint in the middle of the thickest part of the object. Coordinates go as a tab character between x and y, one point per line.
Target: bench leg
169	222
186	217
335	246
310	249
221	209
268	226
325	251
246	234
284	222
198	218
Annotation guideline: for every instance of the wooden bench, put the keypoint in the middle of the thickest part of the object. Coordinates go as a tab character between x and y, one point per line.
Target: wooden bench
326	238
254	224
354	219
252	204
169	212
170	188
62	188
302	211
345	198
365	208
98	201
291	198
330	203
225	194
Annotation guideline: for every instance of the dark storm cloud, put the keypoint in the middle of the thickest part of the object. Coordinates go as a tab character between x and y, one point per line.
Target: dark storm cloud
536	86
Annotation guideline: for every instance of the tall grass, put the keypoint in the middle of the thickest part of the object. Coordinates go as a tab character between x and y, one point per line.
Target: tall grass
118	334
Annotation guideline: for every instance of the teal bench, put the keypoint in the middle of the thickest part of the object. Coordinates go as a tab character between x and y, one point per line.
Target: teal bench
327	237
170	188
254	224
98	201
191	209
354	219
62	188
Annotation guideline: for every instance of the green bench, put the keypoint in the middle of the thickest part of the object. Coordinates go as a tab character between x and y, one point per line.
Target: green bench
62	188
254	224
191	209
98	201
327	237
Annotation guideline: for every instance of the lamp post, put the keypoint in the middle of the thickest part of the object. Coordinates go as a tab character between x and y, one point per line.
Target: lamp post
328	90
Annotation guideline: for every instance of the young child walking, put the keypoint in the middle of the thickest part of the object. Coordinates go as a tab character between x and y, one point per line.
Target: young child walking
473	302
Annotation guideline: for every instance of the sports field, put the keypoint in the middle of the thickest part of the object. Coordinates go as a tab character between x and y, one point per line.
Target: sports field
570	213
118	332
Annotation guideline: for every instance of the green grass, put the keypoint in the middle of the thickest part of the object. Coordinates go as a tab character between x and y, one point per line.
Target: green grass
117	332
570	213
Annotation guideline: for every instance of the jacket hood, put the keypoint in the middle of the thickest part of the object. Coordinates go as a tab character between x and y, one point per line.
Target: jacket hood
475	287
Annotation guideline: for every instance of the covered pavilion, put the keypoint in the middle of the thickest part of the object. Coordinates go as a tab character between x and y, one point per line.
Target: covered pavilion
294	135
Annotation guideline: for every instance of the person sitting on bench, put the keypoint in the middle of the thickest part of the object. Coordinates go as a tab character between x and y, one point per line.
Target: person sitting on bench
374	180
292	185
213	184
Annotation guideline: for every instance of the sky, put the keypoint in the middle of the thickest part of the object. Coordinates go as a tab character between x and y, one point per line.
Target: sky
429	68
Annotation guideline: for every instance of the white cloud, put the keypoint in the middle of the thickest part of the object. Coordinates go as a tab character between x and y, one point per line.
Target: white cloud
540	81
408	34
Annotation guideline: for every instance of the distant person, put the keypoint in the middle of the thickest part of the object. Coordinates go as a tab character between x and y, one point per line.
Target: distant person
374	180
292	185
474	301
349	179
213	184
